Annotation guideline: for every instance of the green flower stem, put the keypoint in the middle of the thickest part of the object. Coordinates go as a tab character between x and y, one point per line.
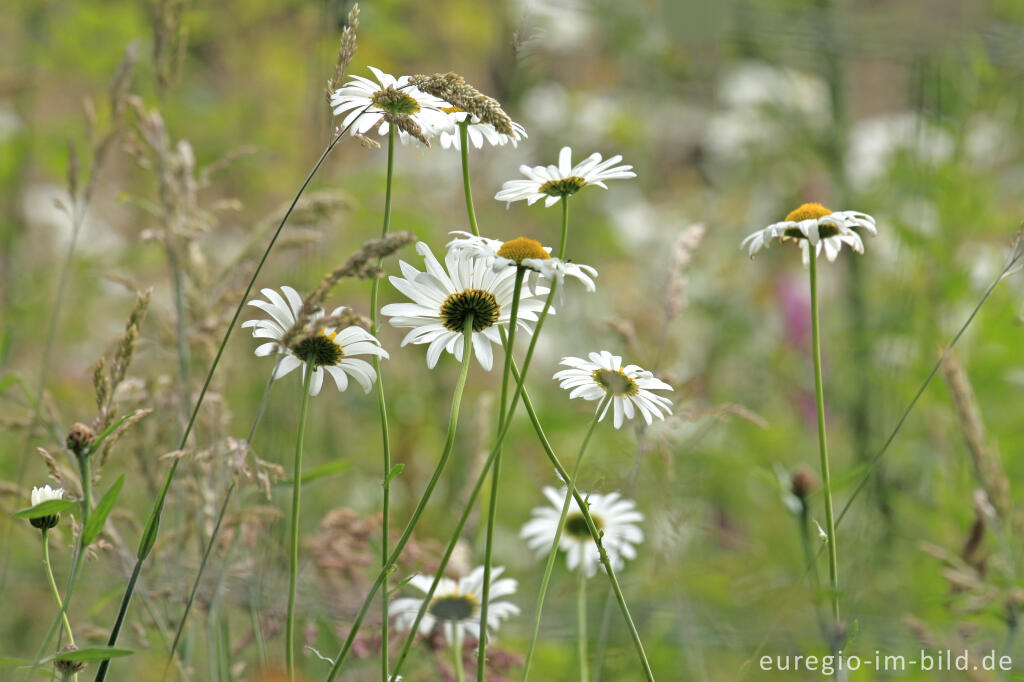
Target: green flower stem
382	407
453	422
481	657
53	585
553	553
467	190
833	563
565	227
293	556
85	473
581	621
592	527
460	675
152	528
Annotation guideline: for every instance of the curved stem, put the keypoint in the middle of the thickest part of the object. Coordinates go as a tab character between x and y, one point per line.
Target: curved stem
153	523
553	552
467	190
481	656
293	557
581	621
382	408
453	422
833	563
53	586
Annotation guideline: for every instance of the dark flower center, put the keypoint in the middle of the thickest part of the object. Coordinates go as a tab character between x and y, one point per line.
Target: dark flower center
615	382
453	607
395	101
576	525
563	187
476	302
320	350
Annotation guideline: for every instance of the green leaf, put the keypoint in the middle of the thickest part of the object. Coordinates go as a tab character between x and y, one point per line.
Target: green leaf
48	508
7	381
99	515
92	654
322	471
397	469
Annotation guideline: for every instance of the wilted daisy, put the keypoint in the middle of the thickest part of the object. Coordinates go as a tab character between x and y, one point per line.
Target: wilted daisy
477	131
815	224
329	349
552	183
614	515
456	604
387	98
629	387
444	297
528	253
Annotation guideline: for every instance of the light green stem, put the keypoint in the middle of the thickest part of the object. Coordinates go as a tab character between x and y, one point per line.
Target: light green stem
581	620
53	586
559	529
382	408
481	657
467	190
293	556
453	422
565	227
460	675
833	562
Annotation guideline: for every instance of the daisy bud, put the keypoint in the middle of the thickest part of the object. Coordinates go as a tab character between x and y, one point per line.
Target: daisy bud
64	666
80	439
803	483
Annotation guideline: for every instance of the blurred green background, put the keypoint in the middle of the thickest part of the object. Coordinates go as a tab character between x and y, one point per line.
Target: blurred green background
732	114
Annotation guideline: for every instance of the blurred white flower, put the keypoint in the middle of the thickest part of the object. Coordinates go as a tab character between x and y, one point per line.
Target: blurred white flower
614	515
456	604
442	301
873	142
388	97
329	350
815	224
45	494
630	387
553	183
478	132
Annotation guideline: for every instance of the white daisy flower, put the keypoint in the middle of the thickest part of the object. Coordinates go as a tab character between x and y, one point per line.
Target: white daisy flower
330	350
443	297
456	604
629	387
529	253
45	494
388	96
478	132
552	183
616	516
815	224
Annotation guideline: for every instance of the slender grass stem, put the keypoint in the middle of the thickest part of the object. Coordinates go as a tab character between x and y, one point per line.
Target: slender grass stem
382	407
467	189
53	586
460	675
481	658
549	565
826	482
293	555
85	473
153	523
581	621
453	422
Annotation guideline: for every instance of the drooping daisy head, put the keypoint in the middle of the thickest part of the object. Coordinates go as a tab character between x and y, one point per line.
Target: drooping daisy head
629	388
526	253
327	348
813	224
443	298
613	515
478	131
455	605
554	183
375	106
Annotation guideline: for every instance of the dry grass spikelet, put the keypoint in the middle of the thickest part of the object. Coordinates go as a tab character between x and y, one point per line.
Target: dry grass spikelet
453	88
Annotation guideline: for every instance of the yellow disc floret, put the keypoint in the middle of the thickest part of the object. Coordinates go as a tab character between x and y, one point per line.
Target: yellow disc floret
808	212
522	248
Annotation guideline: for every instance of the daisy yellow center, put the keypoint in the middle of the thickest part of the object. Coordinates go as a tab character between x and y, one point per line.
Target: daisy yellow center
521	248
320	350
576	526
476	302
452	110
453	607
809	212
563	187
395	101
614	381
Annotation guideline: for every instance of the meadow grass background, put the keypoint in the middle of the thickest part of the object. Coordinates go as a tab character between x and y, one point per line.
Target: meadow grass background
732	113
